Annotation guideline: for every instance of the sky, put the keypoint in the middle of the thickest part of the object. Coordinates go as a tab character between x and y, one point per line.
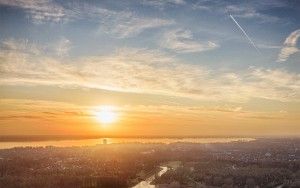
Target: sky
164	67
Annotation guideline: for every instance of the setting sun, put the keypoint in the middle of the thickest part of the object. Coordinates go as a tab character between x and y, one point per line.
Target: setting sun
106	114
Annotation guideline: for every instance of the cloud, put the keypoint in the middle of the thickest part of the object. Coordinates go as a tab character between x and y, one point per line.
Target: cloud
63	47
59	48
200	7
148	71
21	46
40	109
126	24
289	46
249	10
163	3
276	83
39	11
269	46
182	41
122	24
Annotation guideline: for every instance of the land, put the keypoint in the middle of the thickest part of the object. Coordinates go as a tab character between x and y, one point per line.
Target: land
261	163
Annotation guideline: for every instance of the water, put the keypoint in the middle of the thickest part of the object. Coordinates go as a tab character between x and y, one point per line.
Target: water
93	142
147	182
163	169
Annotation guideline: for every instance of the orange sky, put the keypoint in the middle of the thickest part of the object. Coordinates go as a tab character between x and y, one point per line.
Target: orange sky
44	113
167	67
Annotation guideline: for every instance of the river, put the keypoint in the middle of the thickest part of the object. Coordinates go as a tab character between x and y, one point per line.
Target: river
147	183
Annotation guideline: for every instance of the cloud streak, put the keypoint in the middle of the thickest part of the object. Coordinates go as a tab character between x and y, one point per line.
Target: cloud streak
39	11
126	24
247	10
244	32
162	3
251	12
119	24
289	46
182	41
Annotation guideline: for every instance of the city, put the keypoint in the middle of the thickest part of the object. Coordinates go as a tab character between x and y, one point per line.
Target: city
260	163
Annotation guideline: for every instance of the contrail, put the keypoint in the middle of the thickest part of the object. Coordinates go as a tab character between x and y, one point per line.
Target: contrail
244	32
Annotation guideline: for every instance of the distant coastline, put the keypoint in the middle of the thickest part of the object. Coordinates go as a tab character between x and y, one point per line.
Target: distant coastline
28	138
69	141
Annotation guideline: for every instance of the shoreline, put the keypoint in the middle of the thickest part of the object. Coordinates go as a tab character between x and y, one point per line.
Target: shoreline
28	138
115	141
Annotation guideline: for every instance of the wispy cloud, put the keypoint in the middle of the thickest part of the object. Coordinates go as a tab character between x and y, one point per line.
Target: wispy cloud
121	24
289	46
200	7
40	110
126	24
182	41
63	46
269	46
58	48
21	46
148	71
163	3
39	11
246	10
250	12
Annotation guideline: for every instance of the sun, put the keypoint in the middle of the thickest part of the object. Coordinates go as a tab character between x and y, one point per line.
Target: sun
106	114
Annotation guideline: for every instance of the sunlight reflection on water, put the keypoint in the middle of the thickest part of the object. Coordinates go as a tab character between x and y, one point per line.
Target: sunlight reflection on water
147	182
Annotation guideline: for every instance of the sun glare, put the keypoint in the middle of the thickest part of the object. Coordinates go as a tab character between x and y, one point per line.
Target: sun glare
106	114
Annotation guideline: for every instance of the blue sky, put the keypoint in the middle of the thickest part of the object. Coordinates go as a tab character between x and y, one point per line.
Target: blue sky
93	27
190	50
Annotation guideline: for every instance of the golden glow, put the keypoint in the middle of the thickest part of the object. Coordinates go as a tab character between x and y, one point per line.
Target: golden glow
137	119
106	114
